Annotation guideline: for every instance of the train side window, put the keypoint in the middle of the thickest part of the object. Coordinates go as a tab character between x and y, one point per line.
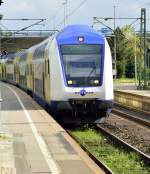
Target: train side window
39	52
48	67
18	69
113	65
14	69
45	66
30	69
27	70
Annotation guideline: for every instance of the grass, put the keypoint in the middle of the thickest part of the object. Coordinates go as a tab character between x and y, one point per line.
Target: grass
117	159
124	80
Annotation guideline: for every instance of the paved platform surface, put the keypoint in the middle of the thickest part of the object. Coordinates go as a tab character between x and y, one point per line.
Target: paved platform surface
125	86
145	93
131	88
31	142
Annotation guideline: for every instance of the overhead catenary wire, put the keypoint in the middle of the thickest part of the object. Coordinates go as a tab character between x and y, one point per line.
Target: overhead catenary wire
53	17
72	12
4	26
121	34
134	9
134	22
23	29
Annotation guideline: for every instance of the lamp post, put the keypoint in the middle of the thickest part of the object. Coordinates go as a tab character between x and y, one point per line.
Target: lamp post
135	60
115	46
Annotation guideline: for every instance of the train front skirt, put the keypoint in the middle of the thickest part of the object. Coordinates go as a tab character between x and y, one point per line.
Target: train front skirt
81	111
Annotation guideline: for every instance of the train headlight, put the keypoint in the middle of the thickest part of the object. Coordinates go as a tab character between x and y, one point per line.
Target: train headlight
70	82
81	39
96	81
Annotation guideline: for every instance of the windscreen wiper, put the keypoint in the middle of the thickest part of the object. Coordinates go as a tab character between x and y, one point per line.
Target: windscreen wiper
91	72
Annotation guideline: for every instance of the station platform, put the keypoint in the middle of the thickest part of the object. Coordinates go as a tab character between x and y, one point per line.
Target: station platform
136	99
31	141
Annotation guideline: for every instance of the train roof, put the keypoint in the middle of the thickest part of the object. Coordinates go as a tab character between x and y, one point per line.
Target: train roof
73	32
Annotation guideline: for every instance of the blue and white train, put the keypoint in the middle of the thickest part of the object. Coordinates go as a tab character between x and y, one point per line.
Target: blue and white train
70	73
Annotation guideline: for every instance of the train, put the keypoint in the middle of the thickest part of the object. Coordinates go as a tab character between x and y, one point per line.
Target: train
69	73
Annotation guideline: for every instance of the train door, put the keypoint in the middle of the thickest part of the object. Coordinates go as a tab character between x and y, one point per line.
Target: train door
15	73
0	71
4	71
47	79
31	76
26	75
43	80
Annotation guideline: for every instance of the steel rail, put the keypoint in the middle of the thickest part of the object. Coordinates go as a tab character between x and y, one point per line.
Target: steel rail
132	109
132	117
106	169
124	144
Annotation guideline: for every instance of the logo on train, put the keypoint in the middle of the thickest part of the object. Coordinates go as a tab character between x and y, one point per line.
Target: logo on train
83	92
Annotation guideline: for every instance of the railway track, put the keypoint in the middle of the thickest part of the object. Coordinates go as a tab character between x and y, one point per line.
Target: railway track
137	116
116	142
105	168
130	125
122	143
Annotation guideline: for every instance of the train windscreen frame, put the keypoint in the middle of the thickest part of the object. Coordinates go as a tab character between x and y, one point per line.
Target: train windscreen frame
82	64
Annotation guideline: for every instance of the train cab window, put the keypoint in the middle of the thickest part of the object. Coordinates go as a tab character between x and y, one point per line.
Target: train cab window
82	64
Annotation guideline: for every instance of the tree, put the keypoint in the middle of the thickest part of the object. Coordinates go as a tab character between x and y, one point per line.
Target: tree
126	39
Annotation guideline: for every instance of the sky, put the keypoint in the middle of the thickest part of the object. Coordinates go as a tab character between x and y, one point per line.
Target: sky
53	12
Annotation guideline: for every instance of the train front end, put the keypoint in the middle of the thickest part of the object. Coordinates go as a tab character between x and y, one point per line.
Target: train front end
85	87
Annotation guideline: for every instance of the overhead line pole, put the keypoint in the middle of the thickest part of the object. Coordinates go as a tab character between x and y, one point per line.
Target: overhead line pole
135	60
143	82
143	16
65	11
1	16
72	12
115	46
141	54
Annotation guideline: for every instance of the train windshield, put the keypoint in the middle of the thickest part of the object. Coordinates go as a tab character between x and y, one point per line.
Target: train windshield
82	64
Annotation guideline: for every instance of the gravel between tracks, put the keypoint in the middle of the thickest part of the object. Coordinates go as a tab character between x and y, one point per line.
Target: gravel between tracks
131	132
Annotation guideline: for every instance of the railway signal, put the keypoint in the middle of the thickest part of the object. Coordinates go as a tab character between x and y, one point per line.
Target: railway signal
1	2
